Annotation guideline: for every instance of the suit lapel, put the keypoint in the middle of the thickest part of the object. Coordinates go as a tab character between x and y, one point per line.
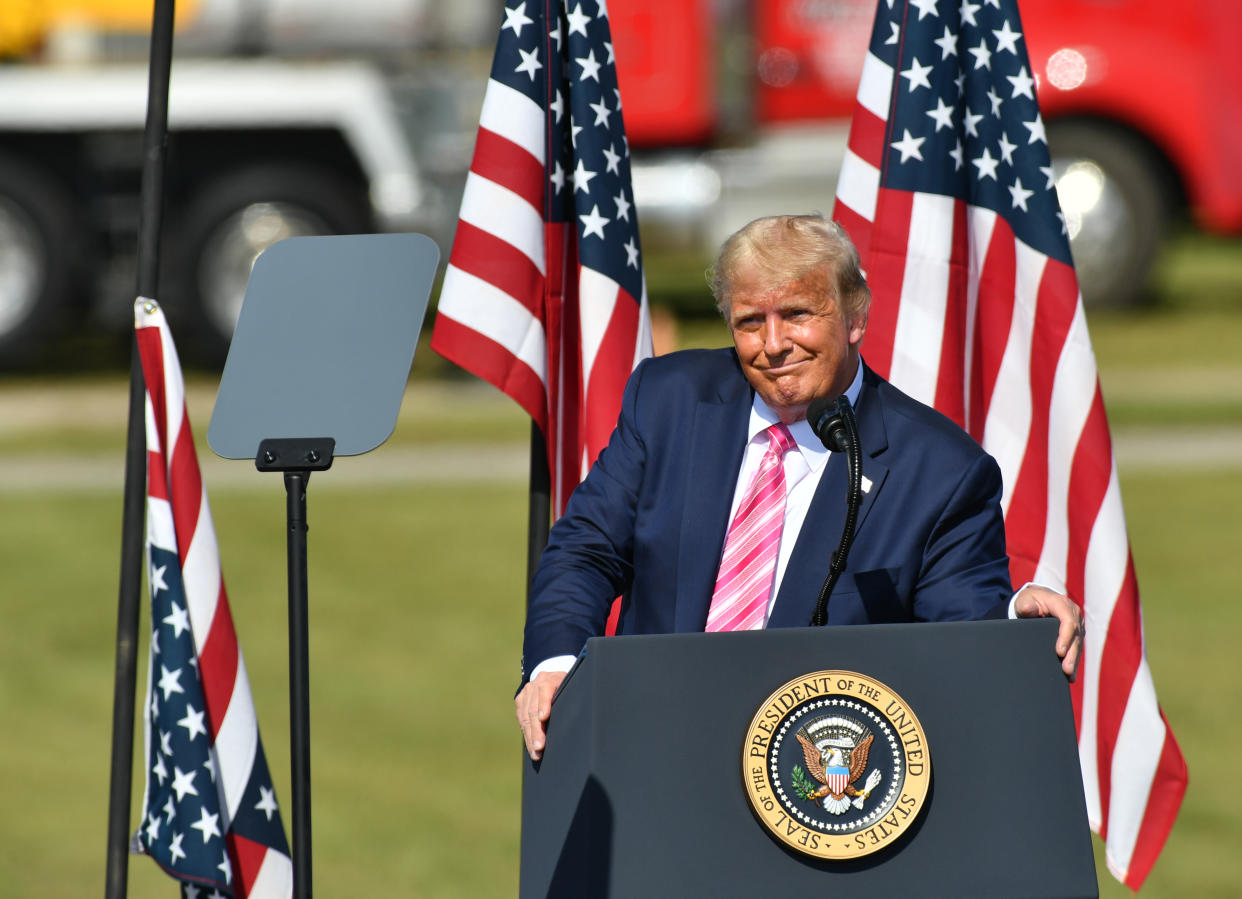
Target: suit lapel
825	518
718	439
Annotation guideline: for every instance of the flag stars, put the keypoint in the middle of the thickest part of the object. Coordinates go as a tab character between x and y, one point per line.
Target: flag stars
556	35
631	253
582	177
612	54
1007	148
558	106
909	146
170	682
924	7
207	825
942	115
159	770
175	849
267	801
967	11
623	206
558	177
947	43
995	100
1019	194
613	160
225	868
1006	39
971	121
602	112
179	620
956	155
183	783
192	722
917	75
1023	84
153	829
1047	172
516	19
157	579
986	165
891	40
593	223
165	742
578	20
590	66
170	810
982	55
1038	135
530	63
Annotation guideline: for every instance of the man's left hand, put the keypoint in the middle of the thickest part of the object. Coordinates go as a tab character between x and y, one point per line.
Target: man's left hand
1034	601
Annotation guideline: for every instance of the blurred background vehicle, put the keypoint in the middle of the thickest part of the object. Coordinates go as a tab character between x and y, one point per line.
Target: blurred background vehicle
1142	106
294	117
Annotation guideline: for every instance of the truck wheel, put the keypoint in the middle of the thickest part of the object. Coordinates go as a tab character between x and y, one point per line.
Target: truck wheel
225	226
40	252
1116	199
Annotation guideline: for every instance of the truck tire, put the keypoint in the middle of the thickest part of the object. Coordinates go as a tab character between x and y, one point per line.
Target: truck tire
41	246
1116	198
227	223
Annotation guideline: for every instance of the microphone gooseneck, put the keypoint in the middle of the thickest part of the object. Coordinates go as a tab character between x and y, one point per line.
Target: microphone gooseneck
834	423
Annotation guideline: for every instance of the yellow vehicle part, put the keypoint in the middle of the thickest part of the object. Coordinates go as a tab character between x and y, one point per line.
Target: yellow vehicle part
26	23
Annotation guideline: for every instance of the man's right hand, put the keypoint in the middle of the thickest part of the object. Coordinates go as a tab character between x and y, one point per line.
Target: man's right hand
533	706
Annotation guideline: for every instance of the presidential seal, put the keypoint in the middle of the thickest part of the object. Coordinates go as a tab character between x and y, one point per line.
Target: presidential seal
836	765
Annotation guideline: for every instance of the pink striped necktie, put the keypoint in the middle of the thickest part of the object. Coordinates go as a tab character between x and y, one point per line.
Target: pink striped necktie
748	566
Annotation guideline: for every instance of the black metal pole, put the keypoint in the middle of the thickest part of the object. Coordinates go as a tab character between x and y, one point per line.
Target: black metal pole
540	507
299	680
116	876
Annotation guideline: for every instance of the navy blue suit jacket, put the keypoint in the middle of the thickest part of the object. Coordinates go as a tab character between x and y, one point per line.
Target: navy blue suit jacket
649	521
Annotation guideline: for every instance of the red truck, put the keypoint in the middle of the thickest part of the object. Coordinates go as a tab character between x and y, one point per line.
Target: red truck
1143	106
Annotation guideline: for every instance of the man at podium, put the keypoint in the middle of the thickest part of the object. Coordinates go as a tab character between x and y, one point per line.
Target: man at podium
716	507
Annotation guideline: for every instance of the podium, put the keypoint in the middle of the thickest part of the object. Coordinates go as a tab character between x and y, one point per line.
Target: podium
640	792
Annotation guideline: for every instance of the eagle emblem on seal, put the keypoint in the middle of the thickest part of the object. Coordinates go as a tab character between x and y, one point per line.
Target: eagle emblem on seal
835	751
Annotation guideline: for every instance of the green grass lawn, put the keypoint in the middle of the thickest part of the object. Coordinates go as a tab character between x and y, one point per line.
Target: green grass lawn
415	628
416	607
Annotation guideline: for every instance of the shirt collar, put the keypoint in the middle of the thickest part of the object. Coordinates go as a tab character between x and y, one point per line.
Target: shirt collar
812	448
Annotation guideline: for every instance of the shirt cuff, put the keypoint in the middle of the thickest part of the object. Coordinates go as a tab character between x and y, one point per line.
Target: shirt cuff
564	663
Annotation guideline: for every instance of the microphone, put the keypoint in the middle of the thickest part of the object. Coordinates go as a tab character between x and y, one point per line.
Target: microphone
827	419
833	422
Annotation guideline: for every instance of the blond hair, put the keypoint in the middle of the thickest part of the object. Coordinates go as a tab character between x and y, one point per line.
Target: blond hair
784	248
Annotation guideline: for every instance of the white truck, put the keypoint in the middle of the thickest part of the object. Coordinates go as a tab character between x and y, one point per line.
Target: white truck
286	117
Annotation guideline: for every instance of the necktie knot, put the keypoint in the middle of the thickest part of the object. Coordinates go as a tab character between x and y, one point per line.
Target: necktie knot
780	441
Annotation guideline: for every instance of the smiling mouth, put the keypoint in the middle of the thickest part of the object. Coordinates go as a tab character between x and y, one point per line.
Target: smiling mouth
784	368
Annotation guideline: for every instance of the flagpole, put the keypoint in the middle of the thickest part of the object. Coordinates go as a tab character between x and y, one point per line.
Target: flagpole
125	678
539	521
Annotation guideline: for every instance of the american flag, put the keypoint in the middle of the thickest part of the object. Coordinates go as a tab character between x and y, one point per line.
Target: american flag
947	188
544	293
209	814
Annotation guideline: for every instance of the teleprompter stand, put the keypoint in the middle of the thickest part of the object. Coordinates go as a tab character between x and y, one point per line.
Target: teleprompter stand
323	347
640	790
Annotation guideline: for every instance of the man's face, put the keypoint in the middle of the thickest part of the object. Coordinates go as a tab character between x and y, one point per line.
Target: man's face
792	341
